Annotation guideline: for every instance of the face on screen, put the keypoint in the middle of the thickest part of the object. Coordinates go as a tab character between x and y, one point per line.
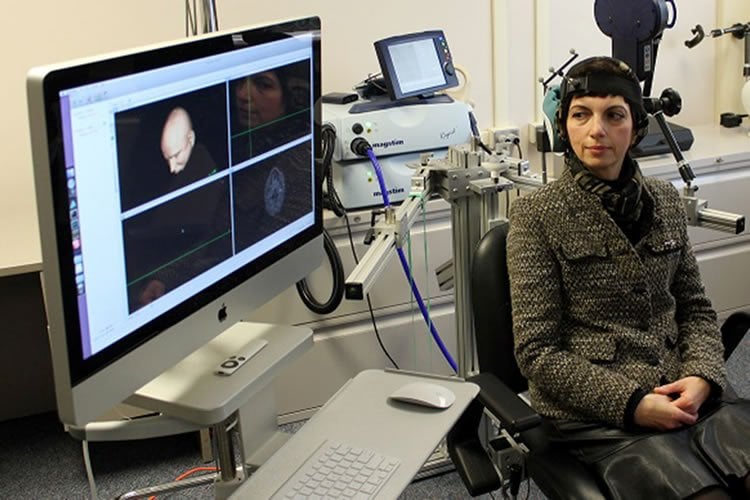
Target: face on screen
269	108
260	99
177	140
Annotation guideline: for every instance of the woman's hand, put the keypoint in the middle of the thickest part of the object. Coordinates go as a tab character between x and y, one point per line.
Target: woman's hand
658	411
691	393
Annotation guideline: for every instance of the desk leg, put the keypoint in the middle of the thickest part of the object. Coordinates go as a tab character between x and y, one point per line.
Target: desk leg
259	428
230	476
207	453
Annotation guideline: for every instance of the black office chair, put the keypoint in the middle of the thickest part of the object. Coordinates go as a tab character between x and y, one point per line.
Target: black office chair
557	473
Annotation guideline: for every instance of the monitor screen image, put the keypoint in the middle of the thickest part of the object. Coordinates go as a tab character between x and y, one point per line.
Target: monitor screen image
416	64
177	191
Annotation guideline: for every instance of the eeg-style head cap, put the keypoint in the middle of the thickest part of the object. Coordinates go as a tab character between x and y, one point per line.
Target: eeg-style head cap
602	76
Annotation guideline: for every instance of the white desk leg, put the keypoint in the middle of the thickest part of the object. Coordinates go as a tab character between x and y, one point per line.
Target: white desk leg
259	428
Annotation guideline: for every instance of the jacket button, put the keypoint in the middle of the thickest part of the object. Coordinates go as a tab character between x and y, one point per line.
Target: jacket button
640	289
653	360
669	343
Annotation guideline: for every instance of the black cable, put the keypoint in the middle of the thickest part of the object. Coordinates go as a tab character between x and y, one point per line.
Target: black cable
337	290
484	146
328	135
516	476
517	143
377	333
475	132
332	202
367	296
528	479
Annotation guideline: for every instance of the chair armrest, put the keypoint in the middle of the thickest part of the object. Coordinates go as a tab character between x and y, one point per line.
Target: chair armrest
512	411
471	460
467	452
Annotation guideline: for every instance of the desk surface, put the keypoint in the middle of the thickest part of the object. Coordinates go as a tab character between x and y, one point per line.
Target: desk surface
192	392
713	146
360	414
20	252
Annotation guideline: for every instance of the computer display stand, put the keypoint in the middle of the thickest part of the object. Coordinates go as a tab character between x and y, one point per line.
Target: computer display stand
190	396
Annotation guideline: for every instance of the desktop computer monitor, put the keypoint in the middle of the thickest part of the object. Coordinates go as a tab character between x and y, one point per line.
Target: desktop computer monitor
177	191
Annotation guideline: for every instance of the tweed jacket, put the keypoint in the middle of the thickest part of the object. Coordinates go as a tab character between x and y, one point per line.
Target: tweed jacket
596	318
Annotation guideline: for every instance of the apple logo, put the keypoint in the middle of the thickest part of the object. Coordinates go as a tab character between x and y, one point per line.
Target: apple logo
222	315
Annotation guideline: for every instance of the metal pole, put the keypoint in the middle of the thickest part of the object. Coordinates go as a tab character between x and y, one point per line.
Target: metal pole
225	450
461	289
210	17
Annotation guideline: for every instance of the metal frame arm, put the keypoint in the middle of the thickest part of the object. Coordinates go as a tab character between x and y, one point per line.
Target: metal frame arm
391	233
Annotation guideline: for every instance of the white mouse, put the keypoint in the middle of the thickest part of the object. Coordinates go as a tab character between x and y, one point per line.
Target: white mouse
425	394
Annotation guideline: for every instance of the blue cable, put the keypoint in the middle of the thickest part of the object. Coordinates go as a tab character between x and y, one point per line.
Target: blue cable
425	315
407	271
379	175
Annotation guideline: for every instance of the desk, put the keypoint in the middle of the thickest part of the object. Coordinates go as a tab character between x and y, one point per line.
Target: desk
360	414
20	252
190	391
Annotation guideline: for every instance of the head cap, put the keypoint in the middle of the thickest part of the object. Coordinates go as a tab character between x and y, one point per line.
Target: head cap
602	76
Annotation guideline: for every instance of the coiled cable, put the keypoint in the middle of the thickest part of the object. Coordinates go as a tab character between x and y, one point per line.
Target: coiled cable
337	290
332	202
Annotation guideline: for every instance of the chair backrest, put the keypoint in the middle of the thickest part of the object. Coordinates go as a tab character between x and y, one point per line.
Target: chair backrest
733	330
490	297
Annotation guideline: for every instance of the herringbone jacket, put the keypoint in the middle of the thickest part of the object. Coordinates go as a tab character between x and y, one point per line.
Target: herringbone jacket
595	318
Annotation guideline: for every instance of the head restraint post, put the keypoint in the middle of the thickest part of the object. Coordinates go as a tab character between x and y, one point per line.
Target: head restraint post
559	71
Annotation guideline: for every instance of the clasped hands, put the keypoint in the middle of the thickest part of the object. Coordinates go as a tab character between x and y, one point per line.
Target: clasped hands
673	405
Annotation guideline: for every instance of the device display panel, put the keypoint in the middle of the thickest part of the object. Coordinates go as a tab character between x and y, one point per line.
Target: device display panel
416	64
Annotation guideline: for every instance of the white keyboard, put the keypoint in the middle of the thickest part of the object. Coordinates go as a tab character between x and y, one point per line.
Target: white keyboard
337	470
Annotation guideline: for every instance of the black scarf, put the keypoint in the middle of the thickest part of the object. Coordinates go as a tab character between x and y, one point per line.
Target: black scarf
621	197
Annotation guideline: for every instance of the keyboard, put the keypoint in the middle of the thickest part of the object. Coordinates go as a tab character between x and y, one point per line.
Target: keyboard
337	470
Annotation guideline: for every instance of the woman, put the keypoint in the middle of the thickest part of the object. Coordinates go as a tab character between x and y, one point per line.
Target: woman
612	326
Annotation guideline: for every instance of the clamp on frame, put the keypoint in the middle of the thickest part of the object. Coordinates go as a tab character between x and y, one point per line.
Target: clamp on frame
698	213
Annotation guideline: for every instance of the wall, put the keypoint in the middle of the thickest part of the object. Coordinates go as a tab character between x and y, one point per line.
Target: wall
48	31
559	29
730	56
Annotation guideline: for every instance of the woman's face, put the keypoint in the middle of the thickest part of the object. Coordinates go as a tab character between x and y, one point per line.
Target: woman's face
600	131
260	99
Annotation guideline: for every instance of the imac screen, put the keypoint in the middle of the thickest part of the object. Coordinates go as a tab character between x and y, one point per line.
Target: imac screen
174	174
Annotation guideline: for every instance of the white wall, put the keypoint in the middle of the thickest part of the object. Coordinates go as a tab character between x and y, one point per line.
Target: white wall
47	31
504	44
730	55
690	72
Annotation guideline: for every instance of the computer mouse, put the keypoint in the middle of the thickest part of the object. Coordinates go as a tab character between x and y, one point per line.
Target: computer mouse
425	394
